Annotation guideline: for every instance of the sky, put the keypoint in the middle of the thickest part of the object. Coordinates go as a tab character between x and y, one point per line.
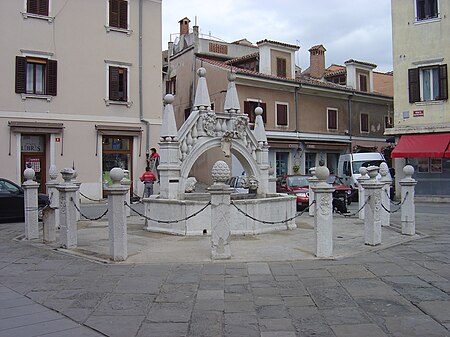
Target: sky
351	29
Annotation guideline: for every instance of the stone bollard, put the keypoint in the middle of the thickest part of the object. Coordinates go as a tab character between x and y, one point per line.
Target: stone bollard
220	212
127	182
77	183
323	221
361	193
408	216
386	180
67	211
312	182
372	216
117	221
51	213
31	210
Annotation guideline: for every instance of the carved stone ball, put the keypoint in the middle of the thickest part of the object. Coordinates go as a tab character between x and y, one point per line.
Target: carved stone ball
322	173
363	170
231	76
258	111
28	173
372	171
116	175
201	72
384	169
168	99
220	172
408	170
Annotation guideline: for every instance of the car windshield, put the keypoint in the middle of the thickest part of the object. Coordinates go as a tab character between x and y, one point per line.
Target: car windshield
331	180
366	163
297	181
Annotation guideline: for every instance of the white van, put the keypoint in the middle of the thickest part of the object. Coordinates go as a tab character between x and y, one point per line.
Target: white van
349	164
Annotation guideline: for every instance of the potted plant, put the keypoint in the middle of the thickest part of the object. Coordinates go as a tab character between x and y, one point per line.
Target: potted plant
296	168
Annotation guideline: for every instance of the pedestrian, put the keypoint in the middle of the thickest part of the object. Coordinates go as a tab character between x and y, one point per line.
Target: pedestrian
148	178
153	161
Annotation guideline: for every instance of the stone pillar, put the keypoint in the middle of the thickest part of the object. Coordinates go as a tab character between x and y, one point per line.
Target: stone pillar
386	180
30	188
312	183
51	213
361	192
220	212
323	220
67	211
408	210
127	183
117	221
372	217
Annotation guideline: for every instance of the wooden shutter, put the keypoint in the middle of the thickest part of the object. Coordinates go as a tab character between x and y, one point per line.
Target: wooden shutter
123	14
51	81
443	82
21	74
32	6
332	119
123	95
114	83
247	110
363	83
414	86
43	7
114	13
281	67
281	114
364	122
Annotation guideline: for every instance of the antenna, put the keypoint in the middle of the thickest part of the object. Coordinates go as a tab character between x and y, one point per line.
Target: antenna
195	20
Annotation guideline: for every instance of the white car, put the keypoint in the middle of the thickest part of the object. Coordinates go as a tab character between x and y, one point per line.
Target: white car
237	183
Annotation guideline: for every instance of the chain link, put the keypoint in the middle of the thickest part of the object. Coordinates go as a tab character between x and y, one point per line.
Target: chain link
86	217
96	200
168	221
391	201
399	208
345	215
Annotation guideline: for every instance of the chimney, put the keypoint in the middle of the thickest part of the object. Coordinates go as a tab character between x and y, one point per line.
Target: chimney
317	61
184	26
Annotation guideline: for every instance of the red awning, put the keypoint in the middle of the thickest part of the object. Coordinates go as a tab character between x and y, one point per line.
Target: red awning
423	146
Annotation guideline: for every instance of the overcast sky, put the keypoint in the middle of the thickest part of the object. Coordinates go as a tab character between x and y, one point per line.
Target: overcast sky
351	29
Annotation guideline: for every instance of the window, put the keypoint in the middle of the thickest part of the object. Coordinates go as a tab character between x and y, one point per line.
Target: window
118	84
363	82
281	67
281	163
388	122
249	109
118	14
364	122
171	86
38	7
310	161
282	114
36	76
332	119
426	9
428	84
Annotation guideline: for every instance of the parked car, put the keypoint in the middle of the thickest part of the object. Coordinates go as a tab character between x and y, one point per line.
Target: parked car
237	183
12	201
297	185
342	192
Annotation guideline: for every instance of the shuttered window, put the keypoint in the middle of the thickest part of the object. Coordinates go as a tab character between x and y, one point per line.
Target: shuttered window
443	82
281	67
428	83
282	114
332	119
426	9
364	122
39	7
414	89
249	109
36	76
118	13
363	83
118	78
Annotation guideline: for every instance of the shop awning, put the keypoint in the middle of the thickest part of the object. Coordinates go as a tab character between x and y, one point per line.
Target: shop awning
423	146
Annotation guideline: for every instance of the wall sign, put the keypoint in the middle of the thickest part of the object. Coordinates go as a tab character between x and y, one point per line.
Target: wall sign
418	113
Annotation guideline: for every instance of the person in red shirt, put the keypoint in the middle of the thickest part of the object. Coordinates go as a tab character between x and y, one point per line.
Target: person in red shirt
148	178
153	161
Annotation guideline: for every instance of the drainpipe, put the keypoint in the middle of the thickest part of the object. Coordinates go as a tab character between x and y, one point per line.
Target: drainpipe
350	120
296	107
141	102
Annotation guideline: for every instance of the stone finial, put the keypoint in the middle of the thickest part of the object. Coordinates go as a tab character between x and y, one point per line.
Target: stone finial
322	173
312	171
168	130
202	101
408	170
29	174
363	171
231	98
384	169
372	171
220	172
116	175
259	130
67	174
53	172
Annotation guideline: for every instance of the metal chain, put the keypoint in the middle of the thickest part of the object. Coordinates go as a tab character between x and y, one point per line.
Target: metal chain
272	222
401	204
96	200
345	215
84	216
168	221
391	201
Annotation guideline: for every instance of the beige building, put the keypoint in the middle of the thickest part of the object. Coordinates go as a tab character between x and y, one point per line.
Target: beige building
310	118
79	90
421	53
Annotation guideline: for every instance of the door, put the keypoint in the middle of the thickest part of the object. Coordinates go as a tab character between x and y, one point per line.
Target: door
33	155
116	152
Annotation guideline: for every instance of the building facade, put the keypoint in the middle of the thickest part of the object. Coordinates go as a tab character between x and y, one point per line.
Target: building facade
79	92
421	53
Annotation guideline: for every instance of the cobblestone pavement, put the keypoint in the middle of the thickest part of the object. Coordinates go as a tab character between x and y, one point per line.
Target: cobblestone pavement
399	291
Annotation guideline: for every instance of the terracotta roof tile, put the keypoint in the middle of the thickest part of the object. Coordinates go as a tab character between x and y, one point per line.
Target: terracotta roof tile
241	58
278	43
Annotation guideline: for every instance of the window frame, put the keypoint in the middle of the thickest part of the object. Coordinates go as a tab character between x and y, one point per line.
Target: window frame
281	67
415	84
171	86
110	28
286	104
437	17
108	100
336	118
361	122
251	114
27	14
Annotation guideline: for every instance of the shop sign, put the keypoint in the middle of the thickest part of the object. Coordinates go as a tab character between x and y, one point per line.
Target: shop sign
418	113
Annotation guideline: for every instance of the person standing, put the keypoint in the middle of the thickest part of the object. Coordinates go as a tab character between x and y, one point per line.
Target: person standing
148	178
153	161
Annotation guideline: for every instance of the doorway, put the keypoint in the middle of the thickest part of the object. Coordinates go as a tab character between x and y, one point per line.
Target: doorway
33	154
116	152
